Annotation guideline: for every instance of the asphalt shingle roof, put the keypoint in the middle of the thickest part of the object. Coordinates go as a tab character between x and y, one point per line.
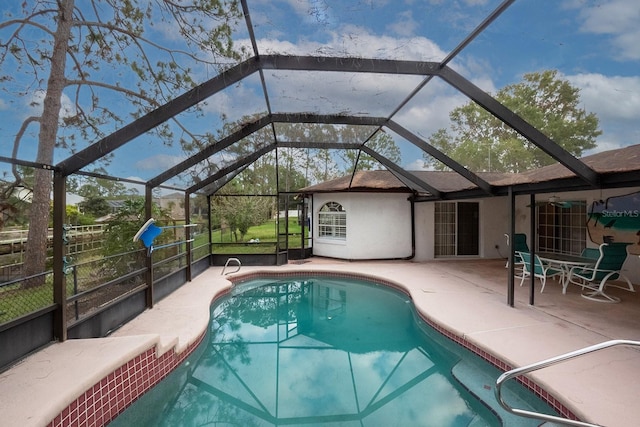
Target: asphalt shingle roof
621	160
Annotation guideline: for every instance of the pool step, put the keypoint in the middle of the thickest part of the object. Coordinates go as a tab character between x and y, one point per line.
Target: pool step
472	375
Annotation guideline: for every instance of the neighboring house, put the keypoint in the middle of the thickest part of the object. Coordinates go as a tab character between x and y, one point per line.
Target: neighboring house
372	215
114	207
173	203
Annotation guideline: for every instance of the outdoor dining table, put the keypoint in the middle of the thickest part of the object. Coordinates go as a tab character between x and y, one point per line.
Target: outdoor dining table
565	262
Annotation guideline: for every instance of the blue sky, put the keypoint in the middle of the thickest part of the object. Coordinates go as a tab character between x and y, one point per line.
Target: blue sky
593	44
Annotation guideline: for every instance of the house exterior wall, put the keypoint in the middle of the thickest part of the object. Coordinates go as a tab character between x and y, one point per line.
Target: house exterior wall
378	226
493	223
424	231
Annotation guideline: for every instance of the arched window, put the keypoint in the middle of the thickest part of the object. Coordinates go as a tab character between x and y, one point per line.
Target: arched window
332	220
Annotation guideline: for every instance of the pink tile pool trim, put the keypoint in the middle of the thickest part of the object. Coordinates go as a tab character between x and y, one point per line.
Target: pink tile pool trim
101	403
500	364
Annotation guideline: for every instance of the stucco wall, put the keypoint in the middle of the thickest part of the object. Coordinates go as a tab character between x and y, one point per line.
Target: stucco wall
493	223
378	226
424	231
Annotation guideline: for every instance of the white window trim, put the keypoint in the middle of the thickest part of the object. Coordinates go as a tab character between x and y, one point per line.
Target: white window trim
336	213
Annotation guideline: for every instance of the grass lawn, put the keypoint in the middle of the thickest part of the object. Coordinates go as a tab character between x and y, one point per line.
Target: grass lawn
16	301
266	233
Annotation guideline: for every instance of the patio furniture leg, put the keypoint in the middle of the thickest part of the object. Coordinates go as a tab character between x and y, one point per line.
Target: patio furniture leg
565	279
599	295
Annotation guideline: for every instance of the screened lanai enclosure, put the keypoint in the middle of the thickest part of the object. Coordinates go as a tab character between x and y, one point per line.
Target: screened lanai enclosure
213	121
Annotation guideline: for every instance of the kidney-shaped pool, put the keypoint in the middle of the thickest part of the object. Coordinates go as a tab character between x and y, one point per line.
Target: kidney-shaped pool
326	351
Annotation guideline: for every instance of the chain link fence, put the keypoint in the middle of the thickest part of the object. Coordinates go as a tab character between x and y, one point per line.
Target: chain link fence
93	284
92	280
26	295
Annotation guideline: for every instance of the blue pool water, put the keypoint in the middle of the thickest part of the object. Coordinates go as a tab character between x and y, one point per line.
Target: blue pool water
326	351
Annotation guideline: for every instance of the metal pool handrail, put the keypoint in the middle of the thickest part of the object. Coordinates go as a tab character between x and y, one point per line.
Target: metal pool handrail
226	264
548	362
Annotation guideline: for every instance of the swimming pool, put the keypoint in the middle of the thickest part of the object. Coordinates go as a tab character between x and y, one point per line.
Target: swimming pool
326	351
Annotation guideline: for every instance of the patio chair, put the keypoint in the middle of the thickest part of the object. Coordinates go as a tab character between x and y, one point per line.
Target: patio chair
519	245
587	254
606	269
540	270
591	253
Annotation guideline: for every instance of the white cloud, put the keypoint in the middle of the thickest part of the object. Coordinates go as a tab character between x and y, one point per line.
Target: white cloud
159	162
617	18
610	17
360	42
404	25
615	99
603	145
480	70
335	93
417	165
616	102
241	100
314	11
370	94
351	40
475	2
610	97
301	7
36	104
427	117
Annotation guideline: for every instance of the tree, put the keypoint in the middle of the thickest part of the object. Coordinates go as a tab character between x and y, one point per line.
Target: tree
482	142
82	53
119	232
15	196
296	167
90	187
12	207
75	217
127	221
95	206
317	165
238	213
381	143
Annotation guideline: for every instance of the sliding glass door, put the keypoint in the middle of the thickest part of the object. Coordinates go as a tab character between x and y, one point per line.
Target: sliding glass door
457	228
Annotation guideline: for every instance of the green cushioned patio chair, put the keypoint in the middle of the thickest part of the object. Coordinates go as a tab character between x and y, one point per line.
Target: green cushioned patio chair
606	269
541	270
519	245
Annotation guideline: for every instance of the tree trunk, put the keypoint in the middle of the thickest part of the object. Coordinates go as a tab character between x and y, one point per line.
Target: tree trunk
36	250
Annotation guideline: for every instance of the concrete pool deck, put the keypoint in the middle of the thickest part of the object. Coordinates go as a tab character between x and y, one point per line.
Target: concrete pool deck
468	298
